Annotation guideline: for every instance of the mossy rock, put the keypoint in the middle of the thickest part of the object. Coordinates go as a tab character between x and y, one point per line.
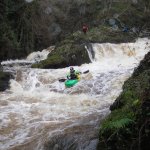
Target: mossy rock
102	34
55	61
69	54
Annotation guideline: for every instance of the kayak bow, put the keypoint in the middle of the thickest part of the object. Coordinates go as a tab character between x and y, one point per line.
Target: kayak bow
70	83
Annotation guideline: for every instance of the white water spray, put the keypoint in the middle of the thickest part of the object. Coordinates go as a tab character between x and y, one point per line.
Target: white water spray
37	106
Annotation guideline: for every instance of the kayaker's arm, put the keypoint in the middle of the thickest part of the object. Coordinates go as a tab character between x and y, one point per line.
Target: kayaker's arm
68	76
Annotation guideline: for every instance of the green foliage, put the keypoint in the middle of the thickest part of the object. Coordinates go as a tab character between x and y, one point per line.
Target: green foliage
116	125
117	119
53	61
16	28
101	33
136	103
120	7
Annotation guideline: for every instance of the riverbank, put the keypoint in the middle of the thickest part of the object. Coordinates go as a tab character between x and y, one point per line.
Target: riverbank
127	127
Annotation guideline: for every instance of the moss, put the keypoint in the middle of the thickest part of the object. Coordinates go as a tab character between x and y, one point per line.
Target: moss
120	7
102	34
53	61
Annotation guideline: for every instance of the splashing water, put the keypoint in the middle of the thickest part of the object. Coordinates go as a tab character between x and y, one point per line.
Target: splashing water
37	107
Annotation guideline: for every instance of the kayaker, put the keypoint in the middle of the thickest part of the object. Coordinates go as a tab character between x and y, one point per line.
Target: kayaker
73	74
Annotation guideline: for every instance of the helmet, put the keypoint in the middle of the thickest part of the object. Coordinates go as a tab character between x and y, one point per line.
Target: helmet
71	68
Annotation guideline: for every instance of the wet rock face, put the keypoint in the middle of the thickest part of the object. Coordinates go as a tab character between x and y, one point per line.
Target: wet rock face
4	80
117	104
144	65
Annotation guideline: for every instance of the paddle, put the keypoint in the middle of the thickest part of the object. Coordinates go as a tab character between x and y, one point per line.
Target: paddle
63	80
85	72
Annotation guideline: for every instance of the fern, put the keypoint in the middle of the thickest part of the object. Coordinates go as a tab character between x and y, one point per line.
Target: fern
121	123
117	124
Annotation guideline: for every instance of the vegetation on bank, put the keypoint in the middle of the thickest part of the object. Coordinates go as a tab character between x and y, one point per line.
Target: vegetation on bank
17	30
128	125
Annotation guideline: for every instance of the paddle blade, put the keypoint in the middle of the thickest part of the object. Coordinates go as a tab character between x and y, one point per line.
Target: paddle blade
85	71
62	80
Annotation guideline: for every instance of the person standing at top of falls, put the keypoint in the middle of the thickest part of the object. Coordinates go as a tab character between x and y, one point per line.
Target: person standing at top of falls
84	28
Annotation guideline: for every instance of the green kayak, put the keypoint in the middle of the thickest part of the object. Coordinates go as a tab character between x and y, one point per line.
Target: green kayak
70	83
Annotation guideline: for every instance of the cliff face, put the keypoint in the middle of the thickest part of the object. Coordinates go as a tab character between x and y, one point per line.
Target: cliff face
128	125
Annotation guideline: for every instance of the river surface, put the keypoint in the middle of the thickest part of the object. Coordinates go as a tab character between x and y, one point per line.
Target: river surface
38	112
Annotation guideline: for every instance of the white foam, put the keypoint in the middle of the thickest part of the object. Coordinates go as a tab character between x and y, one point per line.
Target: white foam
38	56
31	58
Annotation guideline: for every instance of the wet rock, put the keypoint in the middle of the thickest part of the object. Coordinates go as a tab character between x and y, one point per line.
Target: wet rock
55	29
4	80
117	104
144	65
66	54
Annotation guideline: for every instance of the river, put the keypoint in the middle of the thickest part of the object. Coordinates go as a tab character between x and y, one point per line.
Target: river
38	112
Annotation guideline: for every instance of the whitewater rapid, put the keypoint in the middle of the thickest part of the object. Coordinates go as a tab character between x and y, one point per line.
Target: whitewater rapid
39	110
